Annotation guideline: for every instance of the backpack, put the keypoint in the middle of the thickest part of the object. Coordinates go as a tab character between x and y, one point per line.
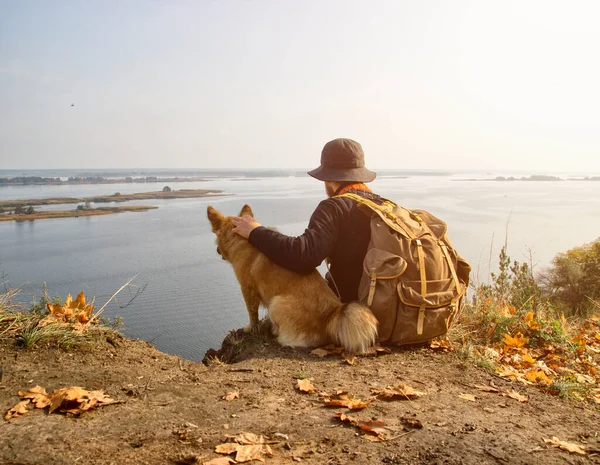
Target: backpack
413	280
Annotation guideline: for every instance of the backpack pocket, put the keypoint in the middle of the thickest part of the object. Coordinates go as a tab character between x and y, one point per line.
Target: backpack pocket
421	318
377	290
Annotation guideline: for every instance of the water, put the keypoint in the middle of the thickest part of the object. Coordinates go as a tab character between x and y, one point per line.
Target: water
192	299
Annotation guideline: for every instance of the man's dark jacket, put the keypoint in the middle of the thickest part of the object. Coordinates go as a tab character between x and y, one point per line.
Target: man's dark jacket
338	229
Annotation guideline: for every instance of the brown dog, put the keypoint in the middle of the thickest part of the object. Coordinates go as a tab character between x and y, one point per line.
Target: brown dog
303	309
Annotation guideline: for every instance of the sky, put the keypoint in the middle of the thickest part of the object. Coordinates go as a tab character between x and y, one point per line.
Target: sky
450	85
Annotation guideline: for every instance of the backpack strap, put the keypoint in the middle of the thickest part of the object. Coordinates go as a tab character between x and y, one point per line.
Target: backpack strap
385	211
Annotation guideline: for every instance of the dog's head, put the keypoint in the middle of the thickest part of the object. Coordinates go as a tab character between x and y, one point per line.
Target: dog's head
223	229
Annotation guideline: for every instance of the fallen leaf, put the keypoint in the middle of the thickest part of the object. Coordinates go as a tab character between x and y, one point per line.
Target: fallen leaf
537	376
38	396
227	448
515	395
515	341
219	461
71	311
320	352
412	422
568	446
401	392
350	360
469	397
249	453
231	395
374	427
19	409
304	385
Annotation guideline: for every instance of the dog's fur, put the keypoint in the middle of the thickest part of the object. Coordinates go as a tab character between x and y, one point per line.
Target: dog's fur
303	309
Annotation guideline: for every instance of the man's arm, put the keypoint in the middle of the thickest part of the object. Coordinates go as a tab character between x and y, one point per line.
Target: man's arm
303	253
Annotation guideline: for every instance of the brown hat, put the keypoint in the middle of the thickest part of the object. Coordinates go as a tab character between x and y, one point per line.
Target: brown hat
342	160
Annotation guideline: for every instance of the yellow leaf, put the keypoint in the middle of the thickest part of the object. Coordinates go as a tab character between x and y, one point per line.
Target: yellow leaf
320	352
568	446
249	453
469	397
515	395
231	395
530	319
19	409
537	376
402	392
305	385
350	360
219	461
227	448
528	359
38	396
515	341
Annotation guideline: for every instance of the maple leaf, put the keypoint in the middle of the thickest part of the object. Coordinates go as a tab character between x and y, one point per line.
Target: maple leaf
537	376
530	320
247	447
320	352
528	359
249	453
72	311
219	461
568	446
304	385
343	400
231	395
76	400
402	392
38	396
19	409
350	360
515	395
515	341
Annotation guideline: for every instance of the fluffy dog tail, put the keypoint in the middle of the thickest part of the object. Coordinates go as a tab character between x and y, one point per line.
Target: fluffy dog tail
353	326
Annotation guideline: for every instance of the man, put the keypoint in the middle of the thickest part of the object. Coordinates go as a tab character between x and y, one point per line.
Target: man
338	230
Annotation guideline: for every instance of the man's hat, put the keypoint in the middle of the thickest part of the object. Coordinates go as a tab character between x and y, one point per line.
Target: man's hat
342	160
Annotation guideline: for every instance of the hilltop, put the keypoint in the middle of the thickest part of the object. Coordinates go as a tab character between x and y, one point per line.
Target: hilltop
172	410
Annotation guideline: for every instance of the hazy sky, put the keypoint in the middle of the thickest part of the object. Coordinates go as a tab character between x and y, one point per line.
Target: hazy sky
216	84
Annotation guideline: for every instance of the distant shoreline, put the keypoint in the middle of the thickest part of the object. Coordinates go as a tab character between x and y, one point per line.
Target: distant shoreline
84	208
75	213
534	178
116	197
78	180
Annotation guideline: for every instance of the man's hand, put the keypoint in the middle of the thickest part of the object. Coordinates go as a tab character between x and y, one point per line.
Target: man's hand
244	225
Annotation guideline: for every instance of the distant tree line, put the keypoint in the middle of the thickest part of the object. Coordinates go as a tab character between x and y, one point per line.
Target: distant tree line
27	180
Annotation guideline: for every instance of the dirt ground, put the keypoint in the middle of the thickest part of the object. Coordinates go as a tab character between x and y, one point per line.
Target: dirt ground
173	411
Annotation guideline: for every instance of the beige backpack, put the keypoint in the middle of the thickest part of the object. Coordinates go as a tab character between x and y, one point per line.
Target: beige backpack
413	280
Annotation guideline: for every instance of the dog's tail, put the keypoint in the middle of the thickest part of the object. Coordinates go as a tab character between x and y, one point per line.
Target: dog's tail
353	326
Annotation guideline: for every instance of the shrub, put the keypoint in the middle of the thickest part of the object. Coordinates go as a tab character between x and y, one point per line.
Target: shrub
572	283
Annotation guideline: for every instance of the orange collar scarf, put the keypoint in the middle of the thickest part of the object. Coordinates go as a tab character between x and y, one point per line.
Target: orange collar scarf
358	186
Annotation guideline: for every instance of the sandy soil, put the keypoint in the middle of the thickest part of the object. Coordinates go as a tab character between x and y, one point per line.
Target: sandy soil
173	411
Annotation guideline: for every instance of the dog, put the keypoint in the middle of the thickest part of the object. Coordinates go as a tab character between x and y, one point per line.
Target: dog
303	310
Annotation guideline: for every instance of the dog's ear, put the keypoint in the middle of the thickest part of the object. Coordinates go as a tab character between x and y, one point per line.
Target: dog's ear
216	219
246	211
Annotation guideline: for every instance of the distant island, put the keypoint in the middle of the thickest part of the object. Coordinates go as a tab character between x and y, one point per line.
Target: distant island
531	178
23	209
40	180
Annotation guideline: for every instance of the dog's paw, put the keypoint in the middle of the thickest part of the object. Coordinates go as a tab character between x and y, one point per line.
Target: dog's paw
251	328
